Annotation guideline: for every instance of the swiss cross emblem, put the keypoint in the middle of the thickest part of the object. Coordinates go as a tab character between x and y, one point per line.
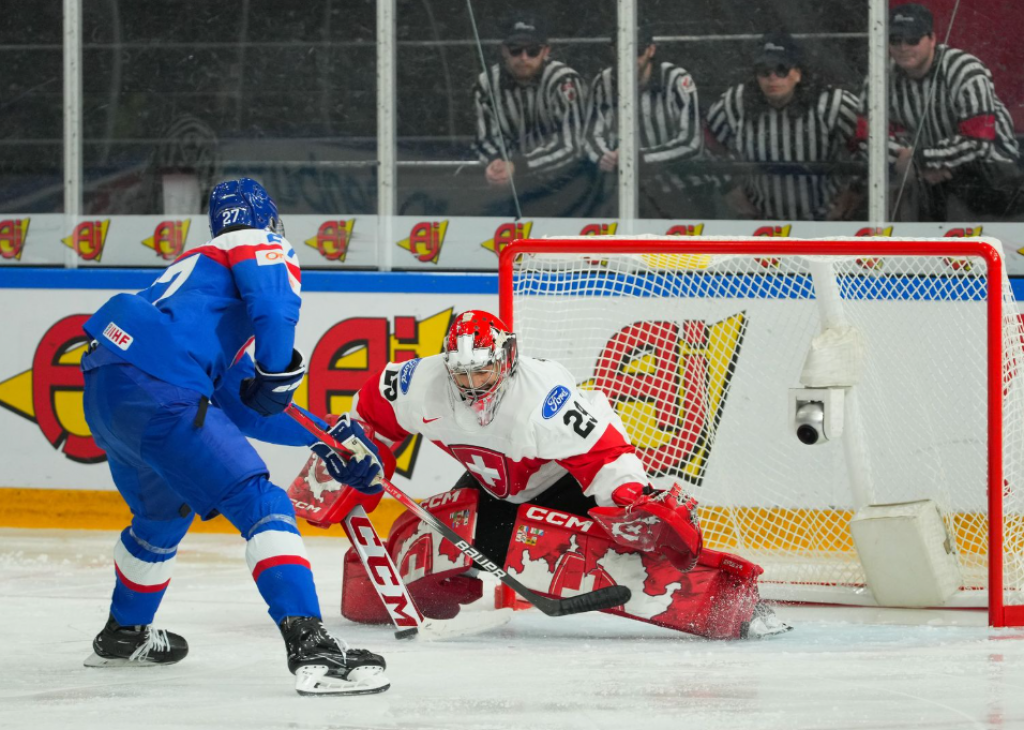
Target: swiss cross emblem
487	466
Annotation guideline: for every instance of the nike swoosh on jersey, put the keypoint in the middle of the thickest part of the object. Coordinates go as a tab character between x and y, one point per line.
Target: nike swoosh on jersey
430	420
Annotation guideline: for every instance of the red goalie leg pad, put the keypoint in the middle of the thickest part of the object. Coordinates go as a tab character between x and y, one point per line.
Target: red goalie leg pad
431	567
562	555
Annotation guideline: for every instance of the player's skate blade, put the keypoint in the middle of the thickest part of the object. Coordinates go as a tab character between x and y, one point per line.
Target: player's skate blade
135	646
314	681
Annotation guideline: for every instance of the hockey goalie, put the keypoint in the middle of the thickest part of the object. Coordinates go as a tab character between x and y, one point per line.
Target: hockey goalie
553	491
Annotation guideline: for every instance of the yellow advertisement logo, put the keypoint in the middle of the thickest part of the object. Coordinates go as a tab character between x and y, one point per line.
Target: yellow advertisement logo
332	239
87	239
505	234
13	233
425	240
669	382
168	239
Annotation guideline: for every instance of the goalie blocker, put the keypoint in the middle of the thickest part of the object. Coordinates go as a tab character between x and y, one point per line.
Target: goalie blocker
559	553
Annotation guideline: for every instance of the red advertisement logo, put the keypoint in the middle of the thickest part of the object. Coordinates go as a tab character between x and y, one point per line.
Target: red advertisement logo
87	239
332	239
425	240
168	239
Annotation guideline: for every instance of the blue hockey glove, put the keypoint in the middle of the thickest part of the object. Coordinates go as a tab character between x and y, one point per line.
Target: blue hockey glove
358	472
270	393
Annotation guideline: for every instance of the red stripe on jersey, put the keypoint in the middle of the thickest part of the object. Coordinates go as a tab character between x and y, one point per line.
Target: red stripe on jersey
276	561
584	467
982	126
215	254
138	587
236	254
374	409
242	349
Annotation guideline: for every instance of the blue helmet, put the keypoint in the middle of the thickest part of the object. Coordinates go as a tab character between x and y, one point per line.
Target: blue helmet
242	203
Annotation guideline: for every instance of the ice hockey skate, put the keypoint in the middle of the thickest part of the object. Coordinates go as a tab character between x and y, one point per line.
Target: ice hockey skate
764	624
140	646
323	665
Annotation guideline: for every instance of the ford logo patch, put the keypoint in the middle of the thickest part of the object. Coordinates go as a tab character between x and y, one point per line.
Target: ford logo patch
554	401
405	377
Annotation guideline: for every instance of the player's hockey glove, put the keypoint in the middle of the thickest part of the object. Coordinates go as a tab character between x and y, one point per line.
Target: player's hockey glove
270	393
654	521
361	470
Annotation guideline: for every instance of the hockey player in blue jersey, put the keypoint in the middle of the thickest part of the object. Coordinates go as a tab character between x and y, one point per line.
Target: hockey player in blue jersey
171	395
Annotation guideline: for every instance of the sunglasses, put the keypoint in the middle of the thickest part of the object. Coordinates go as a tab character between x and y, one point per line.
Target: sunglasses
532	51
904	41
782	70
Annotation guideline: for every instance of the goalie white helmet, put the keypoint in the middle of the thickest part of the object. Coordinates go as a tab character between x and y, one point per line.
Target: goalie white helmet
480	354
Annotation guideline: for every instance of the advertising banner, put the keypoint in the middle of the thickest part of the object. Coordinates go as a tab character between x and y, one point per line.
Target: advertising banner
345	336
415	243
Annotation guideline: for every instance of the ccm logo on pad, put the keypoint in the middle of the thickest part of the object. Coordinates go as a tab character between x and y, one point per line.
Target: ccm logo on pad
118	336
562	519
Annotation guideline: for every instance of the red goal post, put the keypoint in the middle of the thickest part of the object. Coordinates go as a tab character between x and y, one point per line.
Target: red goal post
705	346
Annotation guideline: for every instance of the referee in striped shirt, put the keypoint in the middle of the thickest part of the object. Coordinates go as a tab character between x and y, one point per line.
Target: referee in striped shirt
781	116
944	99
529	119
669	125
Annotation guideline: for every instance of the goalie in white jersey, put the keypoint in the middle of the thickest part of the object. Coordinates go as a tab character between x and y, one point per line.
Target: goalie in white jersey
553	491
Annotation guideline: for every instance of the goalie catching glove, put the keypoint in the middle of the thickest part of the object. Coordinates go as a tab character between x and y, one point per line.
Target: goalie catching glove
654	521
362	470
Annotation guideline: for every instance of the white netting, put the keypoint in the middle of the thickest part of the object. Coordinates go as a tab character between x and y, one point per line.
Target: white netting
697	353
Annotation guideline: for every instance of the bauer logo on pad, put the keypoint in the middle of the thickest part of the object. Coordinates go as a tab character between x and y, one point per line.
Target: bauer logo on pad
554	401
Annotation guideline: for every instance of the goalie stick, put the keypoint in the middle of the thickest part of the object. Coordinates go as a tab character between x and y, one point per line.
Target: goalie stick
599	600
409	622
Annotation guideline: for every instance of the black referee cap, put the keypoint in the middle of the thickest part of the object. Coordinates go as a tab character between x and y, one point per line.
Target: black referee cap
778	47
525	28
910	21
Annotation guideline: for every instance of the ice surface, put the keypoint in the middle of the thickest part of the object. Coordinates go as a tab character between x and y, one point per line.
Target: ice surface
840	669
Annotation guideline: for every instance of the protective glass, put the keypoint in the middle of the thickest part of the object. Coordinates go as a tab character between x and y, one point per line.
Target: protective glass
781	70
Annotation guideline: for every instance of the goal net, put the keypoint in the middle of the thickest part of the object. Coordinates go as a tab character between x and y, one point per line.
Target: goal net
910	350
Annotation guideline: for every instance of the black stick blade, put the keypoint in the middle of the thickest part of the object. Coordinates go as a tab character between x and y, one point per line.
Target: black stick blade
599	600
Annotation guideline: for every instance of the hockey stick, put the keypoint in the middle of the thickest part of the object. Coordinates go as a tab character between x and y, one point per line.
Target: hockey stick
602	598
409	622
383	574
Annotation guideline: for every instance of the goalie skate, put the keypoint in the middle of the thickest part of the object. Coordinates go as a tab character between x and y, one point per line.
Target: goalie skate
140	646
324	666
764	624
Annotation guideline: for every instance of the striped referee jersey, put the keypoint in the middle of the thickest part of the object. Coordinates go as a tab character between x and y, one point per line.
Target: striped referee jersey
541	123
668	114
822	131
955	110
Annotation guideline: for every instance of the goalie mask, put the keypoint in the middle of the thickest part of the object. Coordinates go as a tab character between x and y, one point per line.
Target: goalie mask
480	354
